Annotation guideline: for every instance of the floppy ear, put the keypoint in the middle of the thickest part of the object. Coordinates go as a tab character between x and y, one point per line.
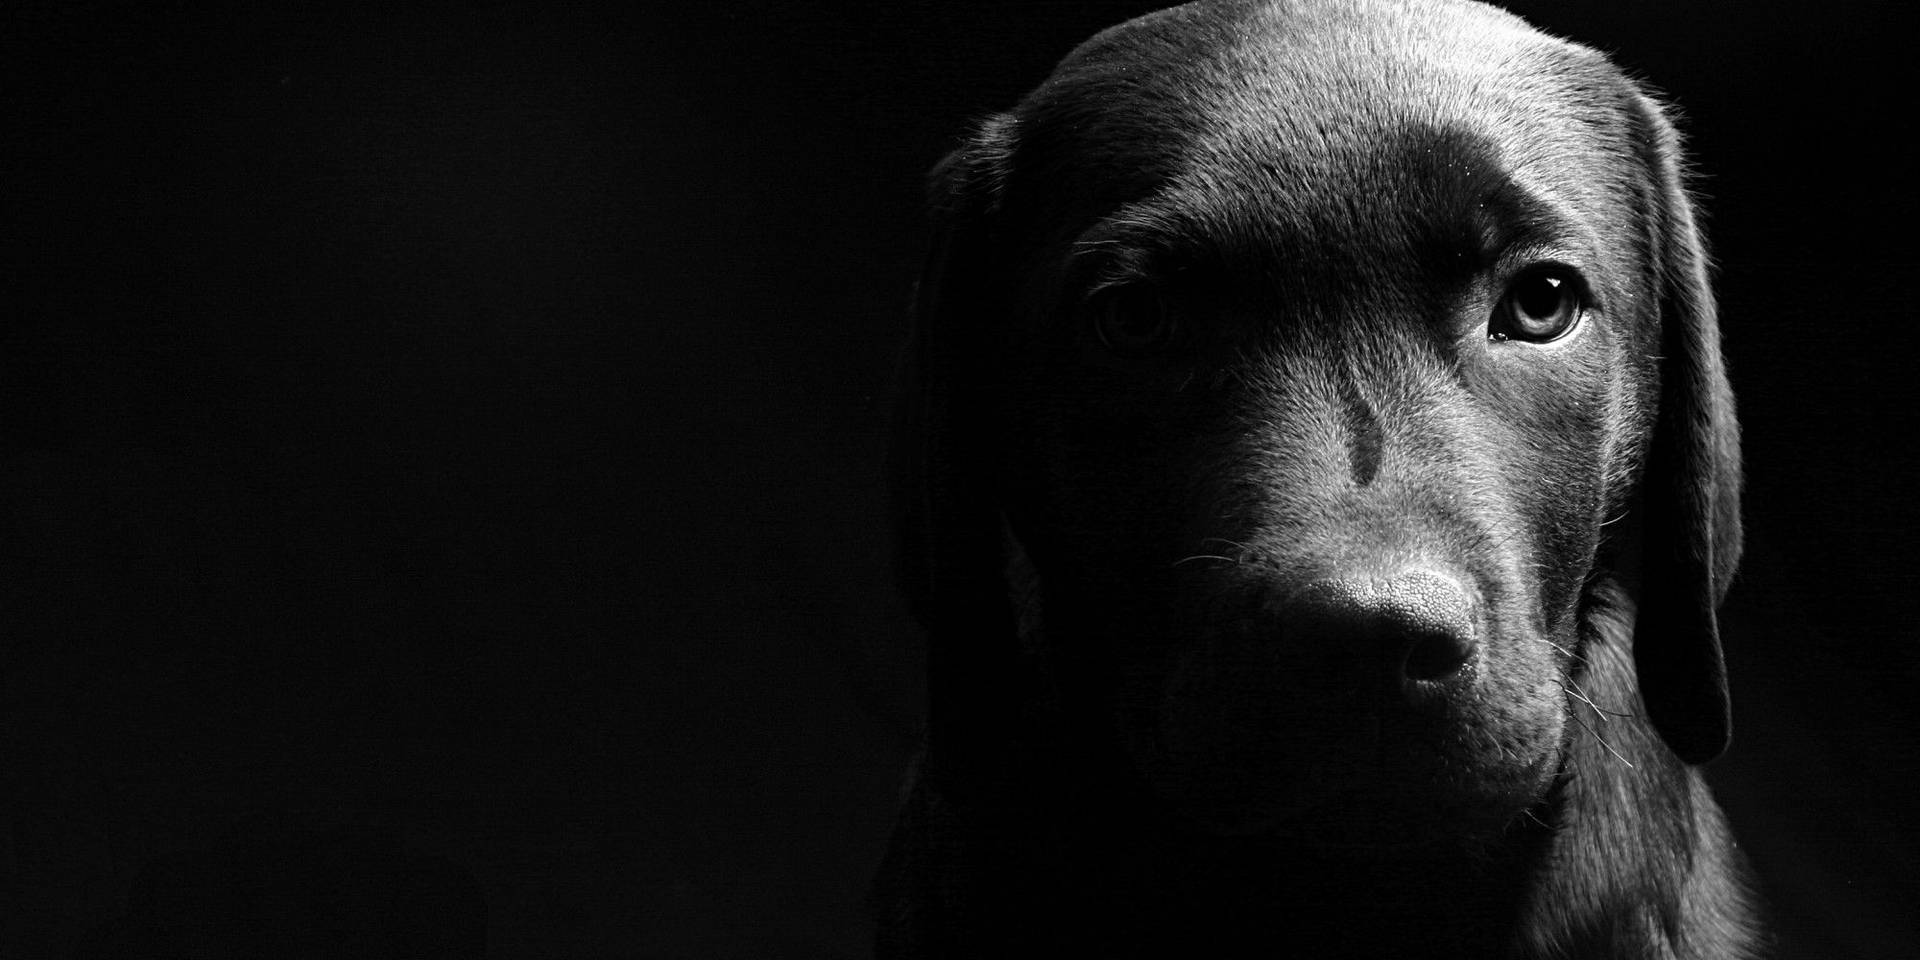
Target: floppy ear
948	546
1691	491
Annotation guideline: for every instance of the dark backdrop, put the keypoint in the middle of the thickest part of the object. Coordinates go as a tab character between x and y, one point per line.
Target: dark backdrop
439	492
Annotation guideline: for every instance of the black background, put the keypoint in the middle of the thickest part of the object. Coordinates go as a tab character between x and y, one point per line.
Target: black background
440	494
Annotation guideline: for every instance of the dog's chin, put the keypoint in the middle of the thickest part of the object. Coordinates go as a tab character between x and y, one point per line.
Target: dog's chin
1378	819
1400	800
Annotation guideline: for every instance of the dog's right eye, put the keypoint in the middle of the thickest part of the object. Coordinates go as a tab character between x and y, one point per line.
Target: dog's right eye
1134	322
1542	304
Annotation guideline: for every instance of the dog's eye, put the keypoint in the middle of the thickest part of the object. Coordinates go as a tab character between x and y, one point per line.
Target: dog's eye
1134	323
1541	305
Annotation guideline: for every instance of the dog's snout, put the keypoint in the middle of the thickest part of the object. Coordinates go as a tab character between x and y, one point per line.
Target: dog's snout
1422	620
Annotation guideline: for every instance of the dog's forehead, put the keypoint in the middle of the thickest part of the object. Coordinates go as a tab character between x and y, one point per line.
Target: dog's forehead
1322	116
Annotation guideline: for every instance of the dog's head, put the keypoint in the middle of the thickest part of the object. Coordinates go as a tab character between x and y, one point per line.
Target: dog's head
1307	372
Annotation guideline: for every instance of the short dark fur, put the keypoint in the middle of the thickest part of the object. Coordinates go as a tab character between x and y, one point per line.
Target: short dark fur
1157	719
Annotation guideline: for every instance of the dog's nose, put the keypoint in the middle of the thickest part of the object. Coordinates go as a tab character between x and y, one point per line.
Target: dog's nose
1422	619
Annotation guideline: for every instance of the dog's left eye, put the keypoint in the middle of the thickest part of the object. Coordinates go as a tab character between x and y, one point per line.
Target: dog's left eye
1134	322
1541	305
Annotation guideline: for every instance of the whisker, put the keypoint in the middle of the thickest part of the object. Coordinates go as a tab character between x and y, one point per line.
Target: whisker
1604	713
1237	545
1604	743
1575	693
1571	655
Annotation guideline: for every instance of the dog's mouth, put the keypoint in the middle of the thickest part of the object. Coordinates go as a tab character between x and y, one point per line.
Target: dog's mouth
1242	759
1383	805
1375	807
1379	813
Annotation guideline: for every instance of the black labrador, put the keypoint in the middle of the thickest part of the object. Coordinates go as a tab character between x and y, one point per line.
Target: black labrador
1318	480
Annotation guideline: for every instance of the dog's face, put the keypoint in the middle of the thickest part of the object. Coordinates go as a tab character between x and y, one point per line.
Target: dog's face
1320	349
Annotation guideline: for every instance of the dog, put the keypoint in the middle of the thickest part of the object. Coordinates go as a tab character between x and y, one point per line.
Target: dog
1317	476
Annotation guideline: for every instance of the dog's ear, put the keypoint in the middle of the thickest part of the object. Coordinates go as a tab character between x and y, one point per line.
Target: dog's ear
948	540
1691	493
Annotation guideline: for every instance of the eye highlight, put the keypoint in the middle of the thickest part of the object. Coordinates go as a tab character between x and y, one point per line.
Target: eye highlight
1542	304
1135	321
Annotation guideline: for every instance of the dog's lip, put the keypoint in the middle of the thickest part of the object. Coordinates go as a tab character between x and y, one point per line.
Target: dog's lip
1330	824
1320	824
1322	809
1276	809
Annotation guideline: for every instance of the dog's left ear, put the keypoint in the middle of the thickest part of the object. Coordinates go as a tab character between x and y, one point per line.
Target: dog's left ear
949	556
1691	491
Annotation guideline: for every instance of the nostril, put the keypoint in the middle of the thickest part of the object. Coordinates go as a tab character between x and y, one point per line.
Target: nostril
1435	655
